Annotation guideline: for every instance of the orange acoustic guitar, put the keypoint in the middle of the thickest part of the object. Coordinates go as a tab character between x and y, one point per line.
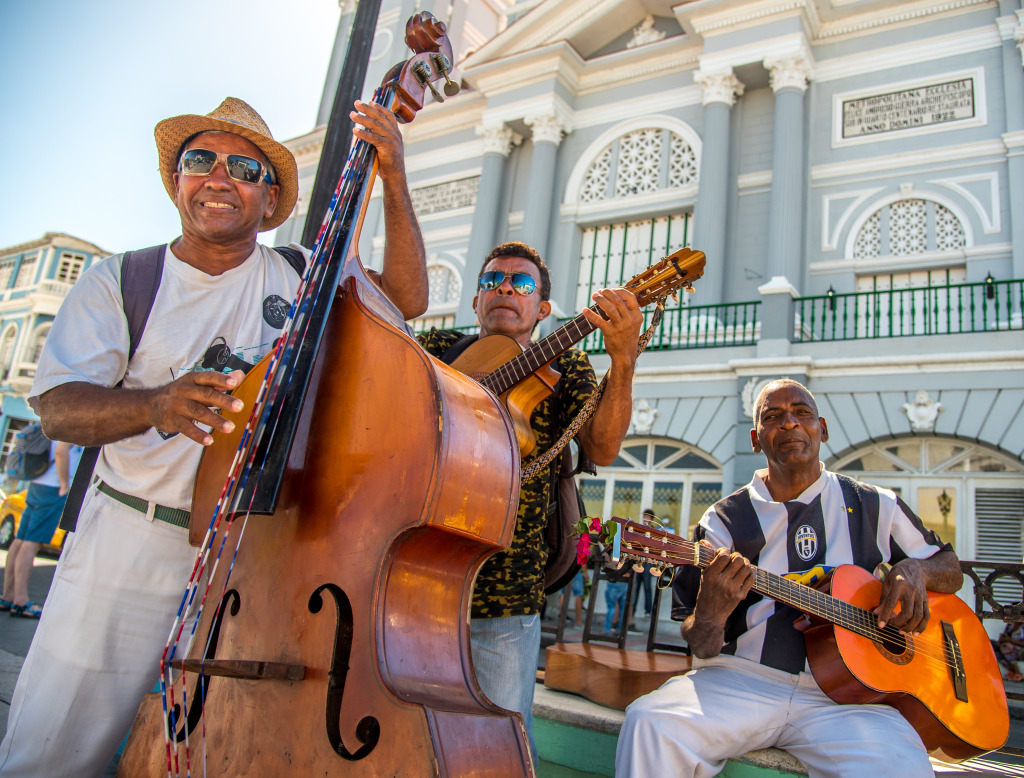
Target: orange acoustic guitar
945	681
523	378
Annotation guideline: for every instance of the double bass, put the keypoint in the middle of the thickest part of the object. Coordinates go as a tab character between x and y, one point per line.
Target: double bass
352	509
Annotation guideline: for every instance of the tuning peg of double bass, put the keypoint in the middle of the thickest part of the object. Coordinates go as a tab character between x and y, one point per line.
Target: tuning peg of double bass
441	63
423	76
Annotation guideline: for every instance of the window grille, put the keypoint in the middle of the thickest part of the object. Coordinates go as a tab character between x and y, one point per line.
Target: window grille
7	348
70	267
6	270
905	230
612	254
27	272
638	162
37	346
444	286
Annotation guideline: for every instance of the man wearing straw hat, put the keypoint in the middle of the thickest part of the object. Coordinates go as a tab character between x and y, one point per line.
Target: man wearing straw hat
120	580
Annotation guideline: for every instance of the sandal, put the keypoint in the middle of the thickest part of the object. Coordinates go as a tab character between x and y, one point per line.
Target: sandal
5	605
27	611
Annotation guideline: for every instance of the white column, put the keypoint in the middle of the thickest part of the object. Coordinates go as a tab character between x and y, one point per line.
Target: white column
498	143
720	90
789	76
548	131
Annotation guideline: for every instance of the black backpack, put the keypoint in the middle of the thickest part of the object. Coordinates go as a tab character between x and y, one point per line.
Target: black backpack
30	455
141	272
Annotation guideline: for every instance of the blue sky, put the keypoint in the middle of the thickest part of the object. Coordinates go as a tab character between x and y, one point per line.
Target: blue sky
83	82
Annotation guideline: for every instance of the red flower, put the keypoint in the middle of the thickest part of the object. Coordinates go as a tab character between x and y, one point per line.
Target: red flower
583	549
595	524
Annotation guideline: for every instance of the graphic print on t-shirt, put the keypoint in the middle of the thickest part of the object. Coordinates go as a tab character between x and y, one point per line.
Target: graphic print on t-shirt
275	310
219	357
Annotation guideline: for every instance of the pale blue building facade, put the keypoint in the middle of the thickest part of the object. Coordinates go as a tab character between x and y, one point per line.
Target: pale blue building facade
34	280
854	172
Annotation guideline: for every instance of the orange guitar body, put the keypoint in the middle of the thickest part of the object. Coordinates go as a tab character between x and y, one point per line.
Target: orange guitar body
487	355
912	677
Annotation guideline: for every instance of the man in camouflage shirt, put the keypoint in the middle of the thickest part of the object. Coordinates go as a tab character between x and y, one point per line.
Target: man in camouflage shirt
514	288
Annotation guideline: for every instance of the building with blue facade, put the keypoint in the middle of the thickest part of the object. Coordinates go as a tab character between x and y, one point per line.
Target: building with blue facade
854	171
34	279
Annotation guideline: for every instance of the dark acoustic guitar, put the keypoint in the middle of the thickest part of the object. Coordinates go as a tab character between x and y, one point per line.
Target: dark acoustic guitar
523	378
945	681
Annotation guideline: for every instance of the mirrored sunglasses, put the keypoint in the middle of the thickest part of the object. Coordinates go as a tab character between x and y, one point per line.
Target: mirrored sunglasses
201	162
522	283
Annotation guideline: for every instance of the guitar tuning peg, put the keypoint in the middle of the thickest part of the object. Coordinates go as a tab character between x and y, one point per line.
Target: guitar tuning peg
689	288
450	87
638	567
675	297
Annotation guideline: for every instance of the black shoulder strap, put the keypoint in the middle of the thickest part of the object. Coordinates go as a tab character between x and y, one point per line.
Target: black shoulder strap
141	272
293	257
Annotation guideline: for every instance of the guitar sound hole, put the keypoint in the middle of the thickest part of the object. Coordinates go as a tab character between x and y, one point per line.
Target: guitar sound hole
895	647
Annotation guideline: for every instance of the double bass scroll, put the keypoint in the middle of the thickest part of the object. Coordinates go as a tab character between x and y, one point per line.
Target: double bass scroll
399	476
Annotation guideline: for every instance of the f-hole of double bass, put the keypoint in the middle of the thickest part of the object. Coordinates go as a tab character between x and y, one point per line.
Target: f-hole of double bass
229	602
368	729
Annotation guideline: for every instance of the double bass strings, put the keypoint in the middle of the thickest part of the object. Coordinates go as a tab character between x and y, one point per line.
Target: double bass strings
275	381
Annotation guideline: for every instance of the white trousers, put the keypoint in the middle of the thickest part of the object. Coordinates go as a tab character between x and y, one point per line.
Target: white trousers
726	707
97	648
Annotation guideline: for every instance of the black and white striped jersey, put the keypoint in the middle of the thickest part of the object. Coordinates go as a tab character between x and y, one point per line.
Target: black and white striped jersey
836	521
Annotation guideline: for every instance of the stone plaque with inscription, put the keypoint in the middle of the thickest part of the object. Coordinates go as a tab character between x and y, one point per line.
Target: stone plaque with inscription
906	109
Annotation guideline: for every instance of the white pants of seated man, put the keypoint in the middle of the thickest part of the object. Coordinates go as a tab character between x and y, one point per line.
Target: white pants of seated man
97	648
726	707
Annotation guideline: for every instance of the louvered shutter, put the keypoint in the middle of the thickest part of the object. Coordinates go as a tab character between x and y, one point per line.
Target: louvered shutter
999	518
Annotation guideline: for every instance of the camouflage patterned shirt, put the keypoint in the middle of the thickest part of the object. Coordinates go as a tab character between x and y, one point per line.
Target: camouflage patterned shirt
511	583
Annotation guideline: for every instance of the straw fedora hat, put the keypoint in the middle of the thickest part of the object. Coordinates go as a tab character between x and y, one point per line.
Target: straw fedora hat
238	117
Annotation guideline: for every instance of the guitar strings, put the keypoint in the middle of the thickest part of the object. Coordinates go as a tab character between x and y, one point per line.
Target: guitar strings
846	615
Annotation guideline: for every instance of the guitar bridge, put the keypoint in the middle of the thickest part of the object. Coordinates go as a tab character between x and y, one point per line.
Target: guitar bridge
954	661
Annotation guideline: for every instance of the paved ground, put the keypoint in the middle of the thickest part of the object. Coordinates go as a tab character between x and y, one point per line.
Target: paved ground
16	636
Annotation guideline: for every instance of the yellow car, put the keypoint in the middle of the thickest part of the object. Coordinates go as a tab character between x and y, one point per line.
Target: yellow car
10	518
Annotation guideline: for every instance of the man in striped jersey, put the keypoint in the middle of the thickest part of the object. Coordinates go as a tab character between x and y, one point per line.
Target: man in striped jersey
750	687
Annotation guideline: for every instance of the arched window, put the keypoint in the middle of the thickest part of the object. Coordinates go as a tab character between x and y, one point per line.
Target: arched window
907	227
677	481
37	344
638	162
445	287
7	347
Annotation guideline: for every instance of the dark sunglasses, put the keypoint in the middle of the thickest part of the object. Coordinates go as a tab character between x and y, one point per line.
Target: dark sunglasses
200	162
522	283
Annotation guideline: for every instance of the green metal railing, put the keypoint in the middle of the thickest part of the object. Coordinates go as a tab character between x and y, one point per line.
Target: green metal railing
695	326
987	306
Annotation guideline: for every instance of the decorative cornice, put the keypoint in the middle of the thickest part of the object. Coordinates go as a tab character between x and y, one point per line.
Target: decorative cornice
788	71
498	139
719	87
547	127
714	22
887	16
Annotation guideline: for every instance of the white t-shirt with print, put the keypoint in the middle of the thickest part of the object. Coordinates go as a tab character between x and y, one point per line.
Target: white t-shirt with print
194	316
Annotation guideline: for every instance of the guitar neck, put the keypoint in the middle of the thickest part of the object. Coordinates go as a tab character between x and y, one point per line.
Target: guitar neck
800	596
540	353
